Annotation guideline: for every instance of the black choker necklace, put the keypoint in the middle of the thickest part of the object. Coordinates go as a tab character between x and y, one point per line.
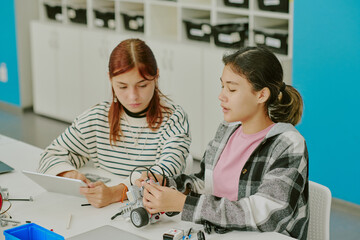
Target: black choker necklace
136	115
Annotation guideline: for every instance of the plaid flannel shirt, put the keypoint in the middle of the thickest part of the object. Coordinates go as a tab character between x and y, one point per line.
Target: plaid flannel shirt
273	185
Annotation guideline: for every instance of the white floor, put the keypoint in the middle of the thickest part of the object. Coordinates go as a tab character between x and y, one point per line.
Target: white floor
40	131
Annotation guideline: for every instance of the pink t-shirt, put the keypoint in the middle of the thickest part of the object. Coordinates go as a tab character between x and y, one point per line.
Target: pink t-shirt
232	160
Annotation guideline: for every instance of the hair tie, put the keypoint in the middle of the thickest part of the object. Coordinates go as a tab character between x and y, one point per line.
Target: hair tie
282	88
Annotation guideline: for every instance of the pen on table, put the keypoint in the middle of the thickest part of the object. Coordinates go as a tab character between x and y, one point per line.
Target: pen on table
68	224
85	204
21	199
188	236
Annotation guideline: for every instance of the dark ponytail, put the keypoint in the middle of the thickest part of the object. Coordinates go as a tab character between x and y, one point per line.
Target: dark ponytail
262	69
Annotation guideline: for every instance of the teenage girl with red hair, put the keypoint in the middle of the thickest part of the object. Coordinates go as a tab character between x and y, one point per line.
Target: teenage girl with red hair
139	127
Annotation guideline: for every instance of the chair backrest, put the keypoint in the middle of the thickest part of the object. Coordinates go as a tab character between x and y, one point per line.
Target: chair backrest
189	164
319	205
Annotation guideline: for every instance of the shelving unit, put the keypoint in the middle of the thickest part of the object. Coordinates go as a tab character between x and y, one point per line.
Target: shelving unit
164	18
189	69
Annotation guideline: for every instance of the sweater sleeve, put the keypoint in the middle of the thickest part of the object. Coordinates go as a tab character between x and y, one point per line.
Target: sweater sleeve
67	152
176	142
271	208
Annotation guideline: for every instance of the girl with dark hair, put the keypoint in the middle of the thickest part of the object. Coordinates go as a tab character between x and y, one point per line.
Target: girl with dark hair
139	127
254	173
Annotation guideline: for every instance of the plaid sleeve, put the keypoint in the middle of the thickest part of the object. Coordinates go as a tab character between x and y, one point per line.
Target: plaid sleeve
272	207
194	182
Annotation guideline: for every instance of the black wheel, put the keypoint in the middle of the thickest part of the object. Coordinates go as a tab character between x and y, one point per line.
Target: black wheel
139	217
171	214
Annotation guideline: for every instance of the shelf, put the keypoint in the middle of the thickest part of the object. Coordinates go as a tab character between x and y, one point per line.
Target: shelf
160	28
130	1
232	10
198	2
276	15
196	6
163	3
163	19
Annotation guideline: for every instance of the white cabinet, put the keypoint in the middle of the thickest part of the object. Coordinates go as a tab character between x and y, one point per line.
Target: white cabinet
70	68
212	112
181	79
69	76
188	90
96	50
44	47
57	79
95	57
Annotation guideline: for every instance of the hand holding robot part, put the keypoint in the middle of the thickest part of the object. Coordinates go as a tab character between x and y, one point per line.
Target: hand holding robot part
145	176
162	199
135	210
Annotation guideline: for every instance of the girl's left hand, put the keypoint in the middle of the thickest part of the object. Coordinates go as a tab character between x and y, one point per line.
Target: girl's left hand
162	199
99	195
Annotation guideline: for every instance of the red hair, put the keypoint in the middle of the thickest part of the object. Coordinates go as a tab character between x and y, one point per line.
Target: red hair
130	54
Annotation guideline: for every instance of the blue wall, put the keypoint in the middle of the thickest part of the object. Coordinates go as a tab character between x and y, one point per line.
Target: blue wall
9	91
326	70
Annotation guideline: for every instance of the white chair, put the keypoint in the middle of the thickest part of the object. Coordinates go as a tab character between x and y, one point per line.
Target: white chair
189	164
319	205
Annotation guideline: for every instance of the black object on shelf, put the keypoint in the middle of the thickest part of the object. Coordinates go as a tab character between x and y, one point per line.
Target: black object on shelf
77	14
104	18
237	3
274	5
276	39
198	29
53	12
232	35
133	21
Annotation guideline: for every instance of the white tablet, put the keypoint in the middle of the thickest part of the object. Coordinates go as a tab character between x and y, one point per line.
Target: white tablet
57	184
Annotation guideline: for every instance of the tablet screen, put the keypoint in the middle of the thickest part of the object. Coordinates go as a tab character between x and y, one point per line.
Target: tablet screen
4	168
57	184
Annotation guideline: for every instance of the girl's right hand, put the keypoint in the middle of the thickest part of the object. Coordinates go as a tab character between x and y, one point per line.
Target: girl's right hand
75	175
145	176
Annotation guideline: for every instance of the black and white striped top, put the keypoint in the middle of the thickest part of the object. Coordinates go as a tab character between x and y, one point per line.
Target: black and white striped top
88	138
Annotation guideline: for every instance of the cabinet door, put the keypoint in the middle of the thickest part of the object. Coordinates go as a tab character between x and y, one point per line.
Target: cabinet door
213	115
44	46
180	69
69	72
56	70
187	91
96	50
163	57
95	58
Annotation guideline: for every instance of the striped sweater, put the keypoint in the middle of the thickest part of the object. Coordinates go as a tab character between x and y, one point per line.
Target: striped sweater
273	185
88	139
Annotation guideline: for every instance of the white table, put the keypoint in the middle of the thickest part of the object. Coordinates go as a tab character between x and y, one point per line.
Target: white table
51	210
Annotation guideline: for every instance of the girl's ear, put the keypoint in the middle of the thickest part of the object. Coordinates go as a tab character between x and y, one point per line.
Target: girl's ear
263	95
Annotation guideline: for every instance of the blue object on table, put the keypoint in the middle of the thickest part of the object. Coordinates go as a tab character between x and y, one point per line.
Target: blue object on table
31	231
